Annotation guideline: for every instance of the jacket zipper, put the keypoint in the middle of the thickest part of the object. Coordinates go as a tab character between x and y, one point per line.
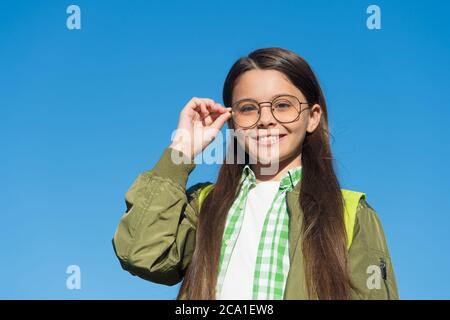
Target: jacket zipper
384	275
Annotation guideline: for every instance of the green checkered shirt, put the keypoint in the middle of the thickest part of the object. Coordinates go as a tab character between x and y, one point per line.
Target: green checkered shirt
272	260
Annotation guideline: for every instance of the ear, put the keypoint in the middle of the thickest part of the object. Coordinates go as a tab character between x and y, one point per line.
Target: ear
314	116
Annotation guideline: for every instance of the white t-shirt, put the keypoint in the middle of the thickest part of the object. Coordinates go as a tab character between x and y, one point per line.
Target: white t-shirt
238	281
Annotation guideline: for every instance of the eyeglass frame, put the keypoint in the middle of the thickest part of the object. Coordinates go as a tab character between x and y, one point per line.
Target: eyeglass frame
271	109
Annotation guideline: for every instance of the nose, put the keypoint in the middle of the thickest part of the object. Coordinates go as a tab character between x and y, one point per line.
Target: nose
266	118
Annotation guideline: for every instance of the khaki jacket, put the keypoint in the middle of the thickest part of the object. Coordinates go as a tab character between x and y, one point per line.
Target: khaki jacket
155	238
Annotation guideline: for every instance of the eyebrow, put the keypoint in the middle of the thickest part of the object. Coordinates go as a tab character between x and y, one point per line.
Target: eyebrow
271	98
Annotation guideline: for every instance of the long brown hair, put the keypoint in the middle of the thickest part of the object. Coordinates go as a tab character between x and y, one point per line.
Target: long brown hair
324	241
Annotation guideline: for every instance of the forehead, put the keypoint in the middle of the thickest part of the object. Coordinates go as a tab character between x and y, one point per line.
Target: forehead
262	85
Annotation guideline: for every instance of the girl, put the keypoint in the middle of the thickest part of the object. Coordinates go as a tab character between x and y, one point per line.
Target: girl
257	233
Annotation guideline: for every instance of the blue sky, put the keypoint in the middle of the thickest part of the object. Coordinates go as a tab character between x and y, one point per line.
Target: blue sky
83	112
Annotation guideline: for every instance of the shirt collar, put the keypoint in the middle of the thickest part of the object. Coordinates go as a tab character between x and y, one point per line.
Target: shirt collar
288	181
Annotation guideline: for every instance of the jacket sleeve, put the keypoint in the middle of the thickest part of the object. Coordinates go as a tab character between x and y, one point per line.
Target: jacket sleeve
369	259
155	238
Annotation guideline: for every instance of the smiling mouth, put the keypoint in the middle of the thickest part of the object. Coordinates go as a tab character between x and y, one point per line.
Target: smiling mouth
268	140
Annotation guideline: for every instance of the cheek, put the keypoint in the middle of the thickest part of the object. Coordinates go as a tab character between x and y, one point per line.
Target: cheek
292	142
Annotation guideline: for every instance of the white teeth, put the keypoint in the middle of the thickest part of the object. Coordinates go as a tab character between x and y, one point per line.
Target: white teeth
268	139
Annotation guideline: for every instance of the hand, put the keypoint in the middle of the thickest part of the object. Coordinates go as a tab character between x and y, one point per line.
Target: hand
200	121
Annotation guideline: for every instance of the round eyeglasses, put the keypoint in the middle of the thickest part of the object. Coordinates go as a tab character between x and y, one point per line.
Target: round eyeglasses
285	109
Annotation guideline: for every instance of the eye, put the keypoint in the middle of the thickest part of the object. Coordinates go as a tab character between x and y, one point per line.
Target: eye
248	108
283	105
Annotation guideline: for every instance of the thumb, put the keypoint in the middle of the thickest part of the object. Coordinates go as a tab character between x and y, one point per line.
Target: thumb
220	121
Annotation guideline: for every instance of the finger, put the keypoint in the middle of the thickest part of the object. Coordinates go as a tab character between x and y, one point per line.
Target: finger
212	106
208	101
209	119
206	106
191	109
203	110
217	110
216	113
213	111
199	106
220	121
193	103
221	108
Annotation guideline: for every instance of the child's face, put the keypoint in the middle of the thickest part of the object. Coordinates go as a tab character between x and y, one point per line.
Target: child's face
262	85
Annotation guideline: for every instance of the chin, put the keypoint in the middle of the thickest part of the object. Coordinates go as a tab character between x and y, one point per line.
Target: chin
266	156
